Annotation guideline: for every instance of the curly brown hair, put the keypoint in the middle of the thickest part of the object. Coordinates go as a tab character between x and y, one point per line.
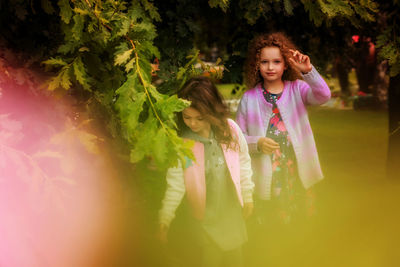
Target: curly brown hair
205	98
277	39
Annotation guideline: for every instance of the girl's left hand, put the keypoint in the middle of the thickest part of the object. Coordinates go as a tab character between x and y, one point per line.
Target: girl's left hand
163	233
300	61
248	209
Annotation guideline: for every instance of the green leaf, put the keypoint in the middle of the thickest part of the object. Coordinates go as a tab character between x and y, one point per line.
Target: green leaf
182	149
135	11
65	11
223	4
314	12
125	27
130	65
68	47
160	146
121	58
144	69
80	73
145	137
131	99
135	109
154	93
65	79
149	50
81	11
61	80
84	49
148	6
55	62
78	27
47	6
288	6
131	83
54	83
169	106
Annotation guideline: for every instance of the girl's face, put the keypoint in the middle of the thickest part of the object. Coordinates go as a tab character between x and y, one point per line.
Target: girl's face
272	65
196	122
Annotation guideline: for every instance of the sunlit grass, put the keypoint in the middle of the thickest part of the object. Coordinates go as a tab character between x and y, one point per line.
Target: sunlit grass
357	205
357	208
227	90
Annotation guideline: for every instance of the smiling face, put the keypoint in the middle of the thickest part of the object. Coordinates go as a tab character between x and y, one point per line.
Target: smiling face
271	64
196	122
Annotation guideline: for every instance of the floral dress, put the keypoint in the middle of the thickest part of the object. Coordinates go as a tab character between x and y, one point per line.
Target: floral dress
289	197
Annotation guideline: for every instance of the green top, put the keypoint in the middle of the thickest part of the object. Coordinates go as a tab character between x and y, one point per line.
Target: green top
223	220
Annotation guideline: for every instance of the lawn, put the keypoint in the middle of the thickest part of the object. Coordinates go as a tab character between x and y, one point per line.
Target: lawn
357	212
357	217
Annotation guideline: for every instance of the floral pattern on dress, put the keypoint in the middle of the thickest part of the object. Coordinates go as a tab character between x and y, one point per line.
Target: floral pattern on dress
287	191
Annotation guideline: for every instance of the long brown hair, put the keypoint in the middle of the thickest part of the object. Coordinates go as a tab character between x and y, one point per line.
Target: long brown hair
277	39
205	98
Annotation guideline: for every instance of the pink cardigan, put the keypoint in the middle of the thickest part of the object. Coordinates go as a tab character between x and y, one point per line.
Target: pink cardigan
191	180
253	117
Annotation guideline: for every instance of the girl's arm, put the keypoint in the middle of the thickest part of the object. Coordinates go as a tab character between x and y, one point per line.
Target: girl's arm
246	183
315	91
173	196
242	121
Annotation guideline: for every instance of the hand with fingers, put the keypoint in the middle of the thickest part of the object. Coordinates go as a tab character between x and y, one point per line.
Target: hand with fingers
163	233
267	145
300	61
248	209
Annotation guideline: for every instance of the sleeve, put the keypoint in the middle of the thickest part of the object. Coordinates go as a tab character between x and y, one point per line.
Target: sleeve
246	183
173	195
242	121
314	91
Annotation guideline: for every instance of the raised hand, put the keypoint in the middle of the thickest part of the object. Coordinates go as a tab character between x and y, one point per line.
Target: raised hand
300	61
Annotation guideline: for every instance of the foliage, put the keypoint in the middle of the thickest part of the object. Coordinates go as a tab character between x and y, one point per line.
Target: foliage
389	40
107	50
105	53
319	11
355	11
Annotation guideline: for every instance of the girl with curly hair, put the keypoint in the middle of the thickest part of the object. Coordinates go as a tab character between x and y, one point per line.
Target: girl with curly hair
273	117
217	186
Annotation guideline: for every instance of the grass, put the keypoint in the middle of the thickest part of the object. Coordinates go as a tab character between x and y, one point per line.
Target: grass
357	211
356	221
357	206
226	90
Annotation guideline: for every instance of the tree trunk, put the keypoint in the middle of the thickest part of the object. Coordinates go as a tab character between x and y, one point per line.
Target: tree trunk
393	160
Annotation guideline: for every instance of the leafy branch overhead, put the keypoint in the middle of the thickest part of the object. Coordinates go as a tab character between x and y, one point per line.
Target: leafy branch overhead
108	47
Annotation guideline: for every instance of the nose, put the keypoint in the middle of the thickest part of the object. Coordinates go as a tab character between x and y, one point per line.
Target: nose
192	123
270	66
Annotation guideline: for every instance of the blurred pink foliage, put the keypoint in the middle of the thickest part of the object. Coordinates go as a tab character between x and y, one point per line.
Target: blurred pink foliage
54	180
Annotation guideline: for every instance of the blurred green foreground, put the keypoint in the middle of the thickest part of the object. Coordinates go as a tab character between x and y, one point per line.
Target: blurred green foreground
358	212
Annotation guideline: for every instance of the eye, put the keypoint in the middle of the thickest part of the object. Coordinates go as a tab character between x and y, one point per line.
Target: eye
200	119
277	61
